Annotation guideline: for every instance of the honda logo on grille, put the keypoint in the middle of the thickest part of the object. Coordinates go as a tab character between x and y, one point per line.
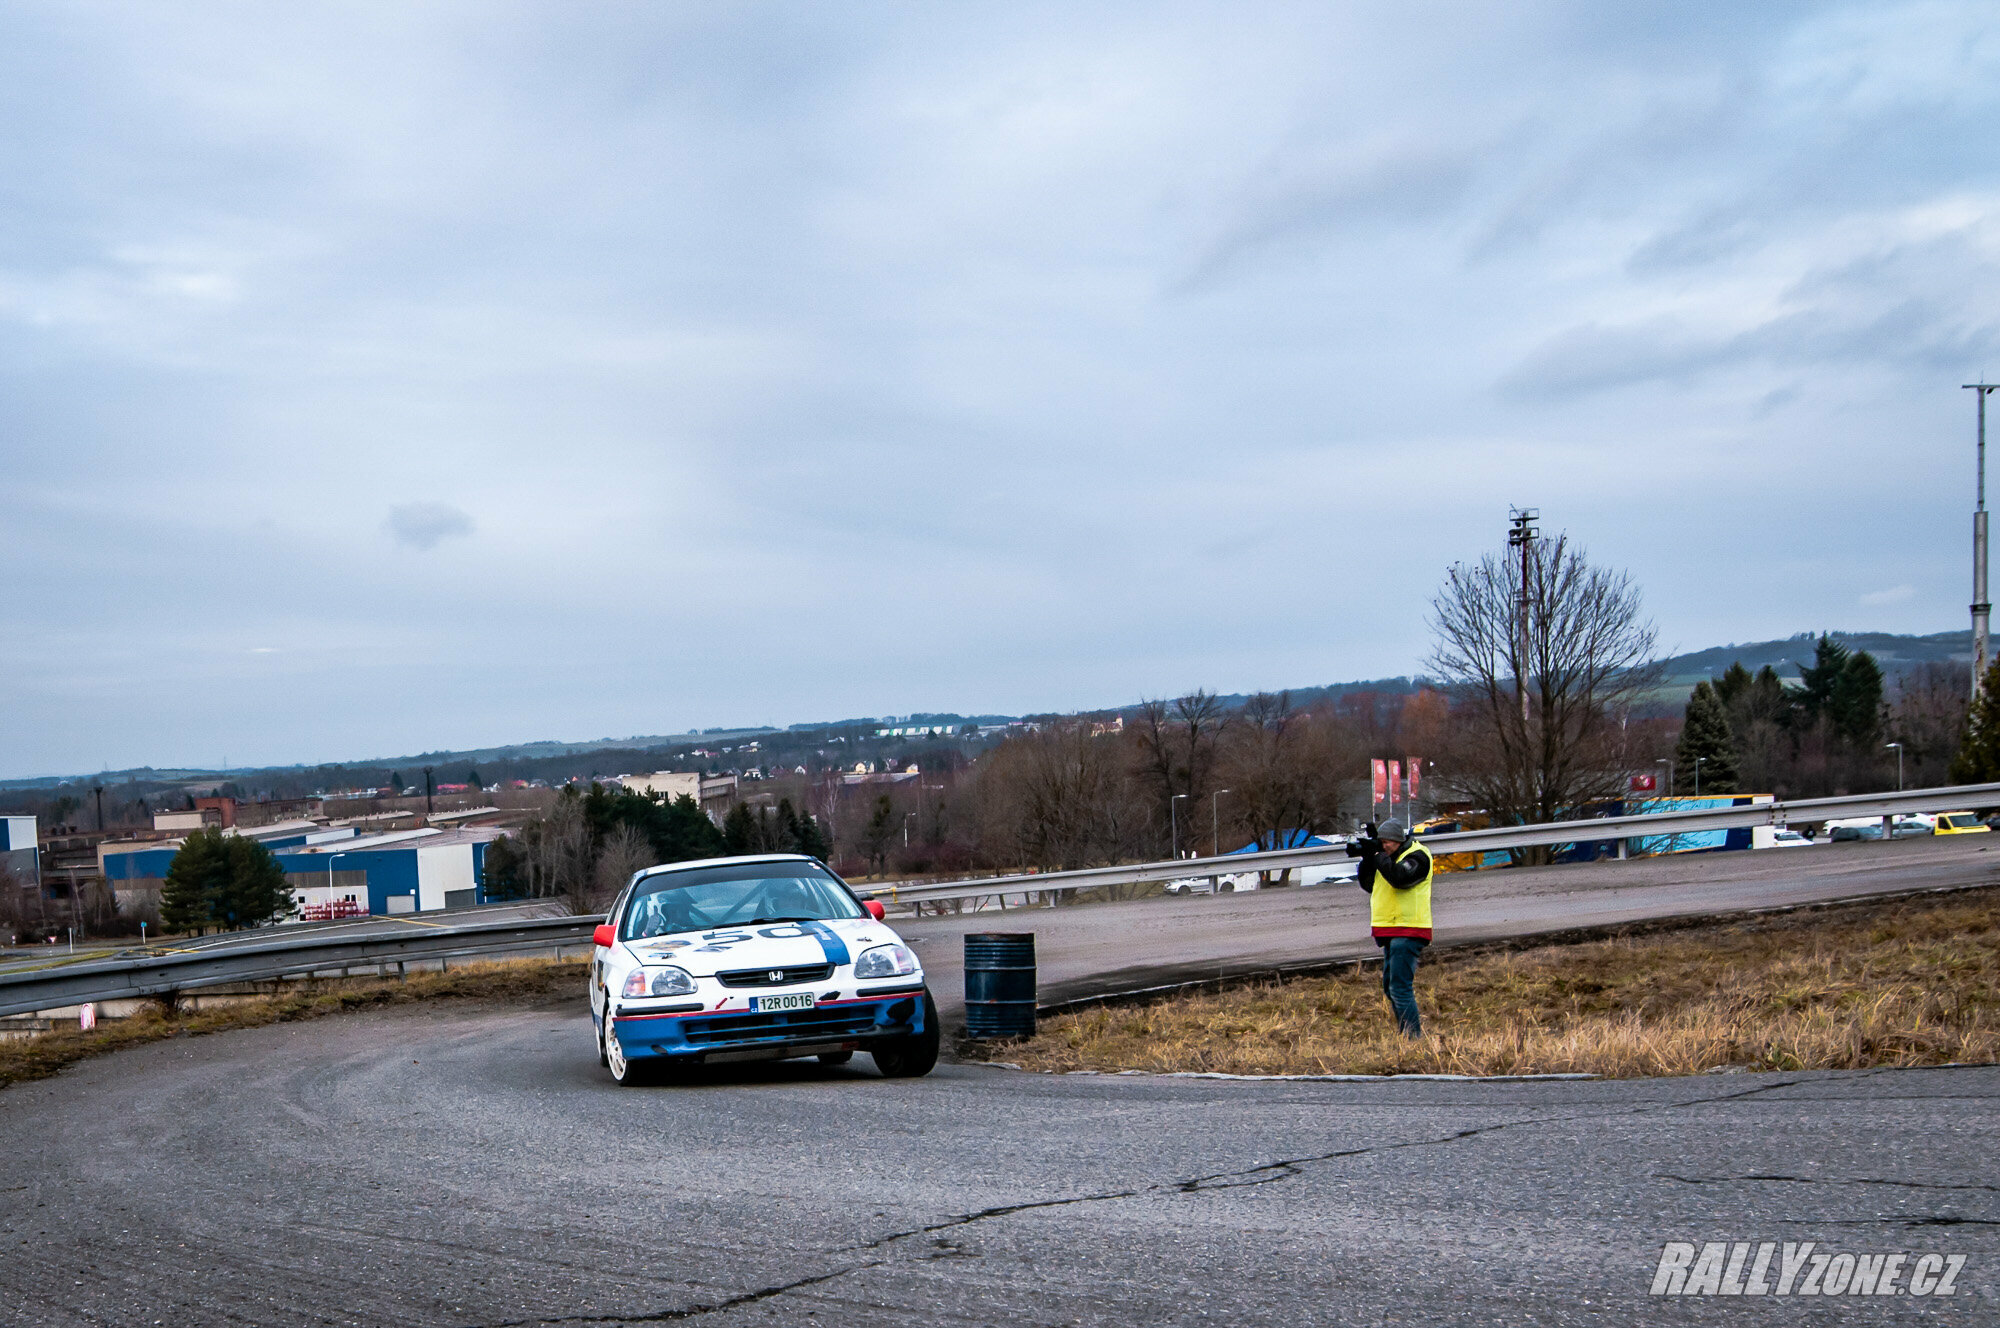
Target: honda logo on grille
777	975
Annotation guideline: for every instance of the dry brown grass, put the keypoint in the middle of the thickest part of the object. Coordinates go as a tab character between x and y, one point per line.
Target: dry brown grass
515	981
1913	982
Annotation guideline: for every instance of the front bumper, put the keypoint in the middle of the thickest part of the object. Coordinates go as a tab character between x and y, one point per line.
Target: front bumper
700	1034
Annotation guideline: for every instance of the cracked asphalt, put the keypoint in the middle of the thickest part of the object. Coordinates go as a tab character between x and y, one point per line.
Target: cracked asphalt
471	1166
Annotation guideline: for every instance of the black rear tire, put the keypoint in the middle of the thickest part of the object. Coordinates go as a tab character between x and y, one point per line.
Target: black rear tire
911	1057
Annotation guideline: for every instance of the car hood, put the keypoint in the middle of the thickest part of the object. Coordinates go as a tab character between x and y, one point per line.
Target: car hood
834	941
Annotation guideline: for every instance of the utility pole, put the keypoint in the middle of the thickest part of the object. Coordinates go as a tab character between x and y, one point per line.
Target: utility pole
1981	610
427	791
1215	822
1173	818
99	791
1521	536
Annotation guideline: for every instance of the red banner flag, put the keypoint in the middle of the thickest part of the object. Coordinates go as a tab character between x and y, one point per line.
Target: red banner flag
1413	764
1642	783
1395	780
1380	769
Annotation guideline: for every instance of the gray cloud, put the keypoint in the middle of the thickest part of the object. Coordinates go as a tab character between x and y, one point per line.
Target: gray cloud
425	525
1302	204
1025	353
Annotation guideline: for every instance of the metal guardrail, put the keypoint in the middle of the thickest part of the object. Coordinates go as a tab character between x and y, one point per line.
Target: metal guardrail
296	955
1593	830
291	956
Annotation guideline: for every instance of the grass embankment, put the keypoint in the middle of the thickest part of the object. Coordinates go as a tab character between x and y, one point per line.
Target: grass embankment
515	981
1914	982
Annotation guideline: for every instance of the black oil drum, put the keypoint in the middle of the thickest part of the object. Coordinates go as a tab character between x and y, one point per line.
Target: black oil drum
1000	984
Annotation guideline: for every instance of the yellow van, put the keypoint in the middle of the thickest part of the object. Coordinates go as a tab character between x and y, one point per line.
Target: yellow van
1960	823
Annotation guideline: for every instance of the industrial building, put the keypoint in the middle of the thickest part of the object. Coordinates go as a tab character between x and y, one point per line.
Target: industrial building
335	871
20	852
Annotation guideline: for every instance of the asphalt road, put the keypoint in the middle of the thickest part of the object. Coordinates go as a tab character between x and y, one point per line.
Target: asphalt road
1096	948
469	1167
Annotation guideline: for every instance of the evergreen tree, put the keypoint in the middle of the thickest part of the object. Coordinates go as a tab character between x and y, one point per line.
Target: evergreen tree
194	880
472	779
677	830
1767	698
682	830
505	871
256	890
1820	679
1705	734
1734	685
740	831
1978	759
223	881
875	839
809	839
1855	706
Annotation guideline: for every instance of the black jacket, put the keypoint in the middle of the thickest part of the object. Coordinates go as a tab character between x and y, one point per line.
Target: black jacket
1402	875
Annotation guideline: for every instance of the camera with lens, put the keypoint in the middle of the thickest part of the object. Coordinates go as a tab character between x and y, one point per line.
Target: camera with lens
1365	845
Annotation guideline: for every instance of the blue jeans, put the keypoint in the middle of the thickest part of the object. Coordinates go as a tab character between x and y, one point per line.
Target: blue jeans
1399	980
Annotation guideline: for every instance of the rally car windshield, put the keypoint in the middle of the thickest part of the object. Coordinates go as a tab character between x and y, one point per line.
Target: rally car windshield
736	896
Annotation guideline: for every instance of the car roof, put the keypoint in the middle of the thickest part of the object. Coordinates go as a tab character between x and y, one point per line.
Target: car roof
717	862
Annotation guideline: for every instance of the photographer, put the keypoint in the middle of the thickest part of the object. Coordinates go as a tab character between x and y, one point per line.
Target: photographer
1396	873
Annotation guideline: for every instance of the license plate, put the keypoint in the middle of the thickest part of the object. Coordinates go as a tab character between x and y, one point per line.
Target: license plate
804	1000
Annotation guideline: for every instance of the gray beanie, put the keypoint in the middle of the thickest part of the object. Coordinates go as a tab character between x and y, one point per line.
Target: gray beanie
1393	829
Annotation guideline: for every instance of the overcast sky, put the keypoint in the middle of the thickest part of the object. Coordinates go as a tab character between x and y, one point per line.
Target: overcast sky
386	378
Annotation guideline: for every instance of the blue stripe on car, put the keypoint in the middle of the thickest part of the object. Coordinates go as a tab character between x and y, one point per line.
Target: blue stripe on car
829	940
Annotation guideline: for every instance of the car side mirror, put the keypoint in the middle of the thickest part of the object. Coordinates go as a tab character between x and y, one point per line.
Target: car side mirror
875	909
604	936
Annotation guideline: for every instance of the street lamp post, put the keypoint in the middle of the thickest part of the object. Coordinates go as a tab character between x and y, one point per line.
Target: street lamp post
1670	775
1173	819
1697	776
1215	835
329	881
1981	609
1899	764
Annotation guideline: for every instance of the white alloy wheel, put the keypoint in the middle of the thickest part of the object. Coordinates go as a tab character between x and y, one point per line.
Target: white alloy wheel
614	1057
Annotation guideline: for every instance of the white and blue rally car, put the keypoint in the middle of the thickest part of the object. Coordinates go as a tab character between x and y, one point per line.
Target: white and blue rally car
754	958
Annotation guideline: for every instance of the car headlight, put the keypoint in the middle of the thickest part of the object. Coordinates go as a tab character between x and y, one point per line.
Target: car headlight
659	982
885	961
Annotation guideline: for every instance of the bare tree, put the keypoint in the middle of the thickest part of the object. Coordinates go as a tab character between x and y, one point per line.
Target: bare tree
1283	769
1177	749
1928	718
1569	637
1059	799
625	850
558	849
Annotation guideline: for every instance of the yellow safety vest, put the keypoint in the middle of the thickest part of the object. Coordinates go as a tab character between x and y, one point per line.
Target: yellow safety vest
1408	907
